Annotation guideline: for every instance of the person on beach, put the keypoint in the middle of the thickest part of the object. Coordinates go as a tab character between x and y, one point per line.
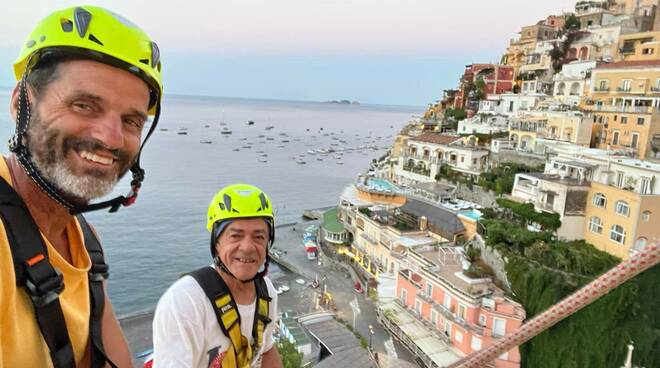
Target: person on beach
224	315
88	79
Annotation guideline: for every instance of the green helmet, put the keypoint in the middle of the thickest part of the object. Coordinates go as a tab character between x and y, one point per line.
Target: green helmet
239	201
235	202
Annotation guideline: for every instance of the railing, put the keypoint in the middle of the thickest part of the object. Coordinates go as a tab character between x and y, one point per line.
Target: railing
623	89
424	296
602	89
619	108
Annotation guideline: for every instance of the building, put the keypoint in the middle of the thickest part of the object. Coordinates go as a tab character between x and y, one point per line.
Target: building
625	97
622	197
462	314
525	44
639	46
332	230
530	131
510	104
570	84
562	188
497	79
484	124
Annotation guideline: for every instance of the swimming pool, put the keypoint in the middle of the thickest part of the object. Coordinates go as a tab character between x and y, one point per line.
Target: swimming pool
383	185
472	214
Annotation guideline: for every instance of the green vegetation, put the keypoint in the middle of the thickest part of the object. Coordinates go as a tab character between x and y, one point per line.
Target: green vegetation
526	213
500	179
365	211
456	114
291	358
543	270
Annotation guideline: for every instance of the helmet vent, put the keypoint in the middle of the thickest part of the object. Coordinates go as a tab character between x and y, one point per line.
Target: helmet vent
66	24
144	61
94	39
82	18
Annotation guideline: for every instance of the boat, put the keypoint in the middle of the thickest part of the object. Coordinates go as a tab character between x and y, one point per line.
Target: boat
249	122
236	149
301	162
260	136
163	129
247	146
207	126
225	130
285	141
182	133
262	160
270	127
270	139
205	142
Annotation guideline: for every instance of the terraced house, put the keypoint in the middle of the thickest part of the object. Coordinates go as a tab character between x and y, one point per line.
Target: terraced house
625	100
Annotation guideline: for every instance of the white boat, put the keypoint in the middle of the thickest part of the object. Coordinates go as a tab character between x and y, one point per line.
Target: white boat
270	127
225	130
249	122
301	162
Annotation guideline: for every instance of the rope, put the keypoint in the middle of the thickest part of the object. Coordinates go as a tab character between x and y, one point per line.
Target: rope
625	271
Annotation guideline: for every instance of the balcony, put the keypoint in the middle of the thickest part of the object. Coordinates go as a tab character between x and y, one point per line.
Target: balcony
424	296
369	239
620	108
601	89
623	89
417	170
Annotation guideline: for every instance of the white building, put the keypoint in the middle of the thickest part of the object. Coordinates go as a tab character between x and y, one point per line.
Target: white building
484	124
509	104
571	82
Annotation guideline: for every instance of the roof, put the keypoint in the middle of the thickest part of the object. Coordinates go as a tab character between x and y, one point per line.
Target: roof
345	347
447	223
436	138
331	222
628	64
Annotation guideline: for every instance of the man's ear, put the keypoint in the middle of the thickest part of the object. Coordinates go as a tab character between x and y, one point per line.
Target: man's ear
13	102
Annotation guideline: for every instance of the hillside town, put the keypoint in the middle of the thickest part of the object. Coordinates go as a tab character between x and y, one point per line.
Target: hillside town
530	178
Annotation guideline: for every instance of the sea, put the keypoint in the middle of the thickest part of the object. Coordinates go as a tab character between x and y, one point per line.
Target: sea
152	243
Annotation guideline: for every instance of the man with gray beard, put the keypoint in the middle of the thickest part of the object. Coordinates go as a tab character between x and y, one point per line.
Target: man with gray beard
88	80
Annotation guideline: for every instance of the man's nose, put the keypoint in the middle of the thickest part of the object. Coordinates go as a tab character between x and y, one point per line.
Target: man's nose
109	130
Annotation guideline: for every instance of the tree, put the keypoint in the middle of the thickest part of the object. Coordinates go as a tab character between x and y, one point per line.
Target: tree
291	358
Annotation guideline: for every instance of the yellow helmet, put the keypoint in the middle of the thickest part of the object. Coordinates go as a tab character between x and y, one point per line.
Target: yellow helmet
98	34
239	201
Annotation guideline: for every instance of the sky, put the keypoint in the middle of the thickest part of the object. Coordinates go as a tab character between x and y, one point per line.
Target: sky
395	52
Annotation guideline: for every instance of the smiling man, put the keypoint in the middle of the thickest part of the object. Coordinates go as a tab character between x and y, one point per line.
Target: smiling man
87	81
223	316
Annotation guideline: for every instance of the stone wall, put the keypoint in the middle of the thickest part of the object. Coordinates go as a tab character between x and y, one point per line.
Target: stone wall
516	157
493	259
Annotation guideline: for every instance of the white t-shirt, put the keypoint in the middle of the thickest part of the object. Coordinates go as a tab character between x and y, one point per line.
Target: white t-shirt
186	332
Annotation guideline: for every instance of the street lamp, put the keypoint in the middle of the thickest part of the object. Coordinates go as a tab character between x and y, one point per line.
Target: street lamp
371	334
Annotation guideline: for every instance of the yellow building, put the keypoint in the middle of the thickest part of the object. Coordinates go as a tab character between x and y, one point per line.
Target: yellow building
619	220
625	99
639	46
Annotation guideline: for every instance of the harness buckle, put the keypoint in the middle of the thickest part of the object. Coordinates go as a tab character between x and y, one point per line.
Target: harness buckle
43	290
99	270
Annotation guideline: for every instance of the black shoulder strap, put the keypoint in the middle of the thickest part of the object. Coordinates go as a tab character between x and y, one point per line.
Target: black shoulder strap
214	287
42	282
97	273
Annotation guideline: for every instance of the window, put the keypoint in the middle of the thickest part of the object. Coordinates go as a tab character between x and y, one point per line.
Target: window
646	187
615	138
625	85
418	307
624	120
619	179
499	327
618	234
429	289
476	343
603	84
504	356
647	51
640	121
640	244
447	328
634	141
482	320
646	216
447	301
404	296
462	312
434	317
596	225
600	200
458	337
622	208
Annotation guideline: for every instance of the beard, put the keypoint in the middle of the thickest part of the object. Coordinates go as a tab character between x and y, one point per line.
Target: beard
49	148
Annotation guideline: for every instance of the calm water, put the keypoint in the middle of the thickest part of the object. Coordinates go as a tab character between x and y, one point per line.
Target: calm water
150	244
